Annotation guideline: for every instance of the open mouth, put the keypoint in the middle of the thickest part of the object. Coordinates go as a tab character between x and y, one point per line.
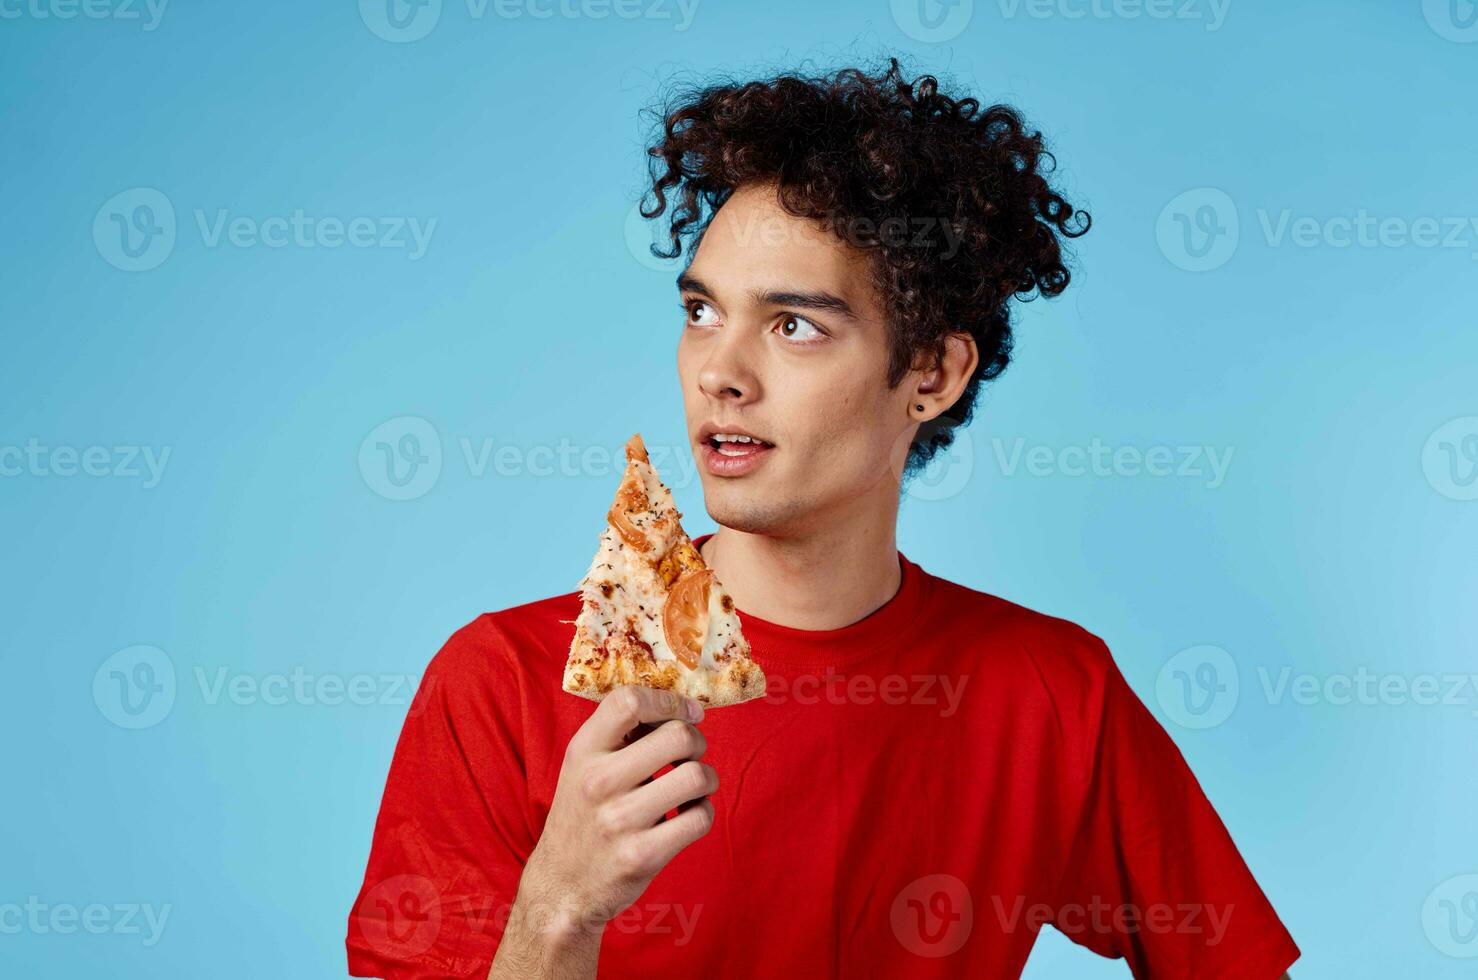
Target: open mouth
736	446
733	454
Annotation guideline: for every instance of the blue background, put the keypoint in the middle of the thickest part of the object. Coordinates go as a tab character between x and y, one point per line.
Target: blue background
1339	539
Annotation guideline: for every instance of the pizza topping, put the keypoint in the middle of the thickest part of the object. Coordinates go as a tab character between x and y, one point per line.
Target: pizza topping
630	499
653	613
679	561
636	449
629	532
685	617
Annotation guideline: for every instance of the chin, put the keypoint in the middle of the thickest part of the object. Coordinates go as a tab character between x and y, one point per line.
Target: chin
755	511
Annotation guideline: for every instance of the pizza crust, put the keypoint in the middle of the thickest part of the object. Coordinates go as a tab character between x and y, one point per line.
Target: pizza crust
592	674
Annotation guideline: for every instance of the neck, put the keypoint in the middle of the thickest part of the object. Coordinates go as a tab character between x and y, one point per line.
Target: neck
823	579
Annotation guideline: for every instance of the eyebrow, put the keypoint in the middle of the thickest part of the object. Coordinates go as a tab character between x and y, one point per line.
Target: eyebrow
815	300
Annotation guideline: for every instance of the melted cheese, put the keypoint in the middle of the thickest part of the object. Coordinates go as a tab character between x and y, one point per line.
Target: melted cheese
639	601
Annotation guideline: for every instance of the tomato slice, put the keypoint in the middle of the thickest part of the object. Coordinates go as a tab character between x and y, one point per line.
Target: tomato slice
629	532
631	497
685	617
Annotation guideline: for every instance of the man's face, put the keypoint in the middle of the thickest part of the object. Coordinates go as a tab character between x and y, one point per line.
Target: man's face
785	340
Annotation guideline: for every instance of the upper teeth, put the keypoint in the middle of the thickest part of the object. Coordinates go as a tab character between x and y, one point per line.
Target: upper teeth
724	437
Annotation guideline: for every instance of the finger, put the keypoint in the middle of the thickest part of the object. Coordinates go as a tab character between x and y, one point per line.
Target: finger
631	705
687	782
637	733
671	836
672	743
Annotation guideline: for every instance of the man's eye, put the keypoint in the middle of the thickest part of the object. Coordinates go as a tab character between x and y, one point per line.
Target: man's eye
701	313
798	328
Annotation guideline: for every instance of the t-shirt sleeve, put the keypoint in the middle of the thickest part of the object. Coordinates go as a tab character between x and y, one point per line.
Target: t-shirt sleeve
454	827
1153	876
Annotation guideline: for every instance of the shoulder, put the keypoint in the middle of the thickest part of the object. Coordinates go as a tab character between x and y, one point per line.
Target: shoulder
531	637
1066	661
1008	623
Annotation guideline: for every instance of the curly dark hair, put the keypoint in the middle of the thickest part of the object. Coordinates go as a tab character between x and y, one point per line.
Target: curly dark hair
862	152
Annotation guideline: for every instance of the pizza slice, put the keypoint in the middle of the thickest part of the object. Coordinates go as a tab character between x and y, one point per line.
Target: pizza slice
652	612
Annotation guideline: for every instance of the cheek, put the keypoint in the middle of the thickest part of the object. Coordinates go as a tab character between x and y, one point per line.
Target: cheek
687	369
846	426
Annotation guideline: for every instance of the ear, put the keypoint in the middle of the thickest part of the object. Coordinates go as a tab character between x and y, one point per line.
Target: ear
941	379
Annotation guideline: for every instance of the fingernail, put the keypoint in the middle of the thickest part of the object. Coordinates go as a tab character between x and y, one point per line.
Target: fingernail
695	710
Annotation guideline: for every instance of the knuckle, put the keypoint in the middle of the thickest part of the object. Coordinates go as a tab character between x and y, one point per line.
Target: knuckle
672	738
627	702
684	740
693	779
631	857
703	818
594	783
608	819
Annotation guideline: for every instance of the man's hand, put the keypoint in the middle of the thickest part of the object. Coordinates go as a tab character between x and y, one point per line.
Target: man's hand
605	837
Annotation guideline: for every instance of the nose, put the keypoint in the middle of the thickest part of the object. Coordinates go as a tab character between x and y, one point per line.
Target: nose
728	371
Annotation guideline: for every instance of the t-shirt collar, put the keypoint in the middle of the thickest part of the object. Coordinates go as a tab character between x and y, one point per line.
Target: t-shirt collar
880	629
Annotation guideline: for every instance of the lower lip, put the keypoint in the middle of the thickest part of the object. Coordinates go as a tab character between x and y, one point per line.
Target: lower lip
720	465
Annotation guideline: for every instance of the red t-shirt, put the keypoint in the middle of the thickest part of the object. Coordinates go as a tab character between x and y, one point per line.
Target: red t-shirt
918	793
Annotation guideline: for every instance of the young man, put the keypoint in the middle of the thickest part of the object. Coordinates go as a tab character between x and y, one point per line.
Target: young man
935	773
